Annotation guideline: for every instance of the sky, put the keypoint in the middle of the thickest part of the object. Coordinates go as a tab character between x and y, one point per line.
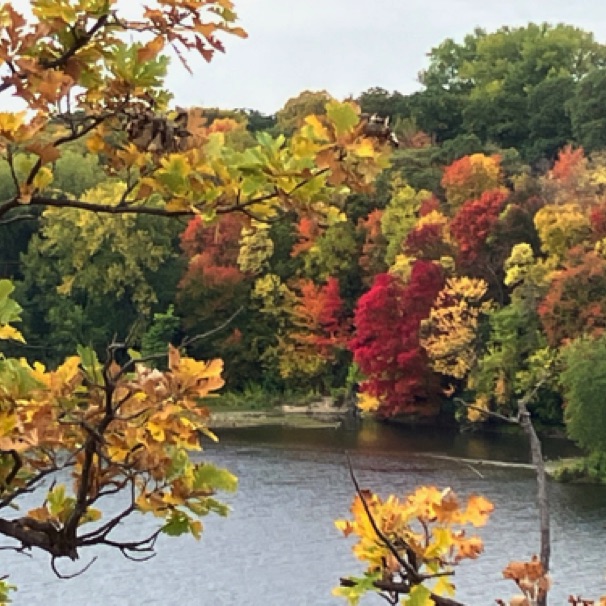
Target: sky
348	46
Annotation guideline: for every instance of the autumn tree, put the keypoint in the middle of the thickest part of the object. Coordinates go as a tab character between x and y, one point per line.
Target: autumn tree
315	340
213	288
292	115
386	345
411	545
400	216
575	303
469	177
450	334
473	223
561	227
372	258
212	280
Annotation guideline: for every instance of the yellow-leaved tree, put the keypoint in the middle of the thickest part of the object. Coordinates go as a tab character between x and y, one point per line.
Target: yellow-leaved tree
85	72
411	545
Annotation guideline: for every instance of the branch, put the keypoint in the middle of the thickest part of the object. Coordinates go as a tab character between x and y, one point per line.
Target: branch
536	454
79	43
146	546
32	533
488	413
185	343
17	464
210	333
17	218
70	576
30	485
402	588
415	577
121	209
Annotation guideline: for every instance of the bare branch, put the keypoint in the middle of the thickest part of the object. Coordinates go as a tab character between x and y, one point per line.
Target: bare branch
536	454
70	576
130	549
30	485
185	343
488	413
210	333
18	218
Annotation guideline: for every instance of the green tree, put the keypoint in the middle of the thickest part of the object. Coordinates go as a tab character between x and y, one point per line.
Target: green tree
587	111
549	125
379	101
492	78
584	381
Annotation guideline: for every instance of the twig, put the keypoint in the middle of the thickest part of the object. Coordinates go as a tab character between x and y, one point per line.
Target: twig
70	576
410	571
476	471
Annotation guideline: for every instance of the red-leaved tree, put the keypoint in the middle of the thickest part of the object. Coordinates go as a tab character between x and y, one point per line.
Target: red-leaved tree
386	344
576	301
474	222
212	286
321	318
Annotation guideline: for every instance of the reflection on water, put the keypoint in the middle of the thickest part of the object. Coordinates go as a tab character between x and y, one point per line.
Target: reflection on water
279	546
376	438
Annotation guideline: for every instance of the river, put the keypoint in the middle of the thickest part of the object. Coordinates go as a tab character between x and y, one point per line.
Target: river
279	546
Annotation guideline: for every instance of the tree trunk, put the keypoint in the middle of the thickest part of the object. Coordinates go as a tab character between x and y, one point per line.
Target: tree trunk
536	454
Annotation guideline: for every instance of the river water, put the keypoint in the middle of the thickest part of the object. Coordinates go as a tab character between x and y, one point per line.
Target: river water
279	546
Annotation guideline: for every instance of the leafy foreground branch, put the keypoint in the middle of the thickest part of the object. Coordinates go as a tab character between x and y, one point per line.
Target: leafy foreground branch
115	428
412	545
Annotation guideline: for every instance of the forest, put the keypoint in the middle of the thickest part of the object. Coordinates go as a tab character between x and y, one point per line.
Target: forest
471	269
456	255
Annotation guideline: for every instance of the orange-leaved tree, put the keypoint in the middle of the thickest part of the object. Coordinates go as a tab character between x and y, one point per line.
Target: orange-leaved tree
83	71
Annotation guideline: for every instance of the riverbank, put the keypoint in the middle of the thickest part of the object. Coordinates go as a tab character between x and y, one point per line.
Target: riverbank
240	419
323	413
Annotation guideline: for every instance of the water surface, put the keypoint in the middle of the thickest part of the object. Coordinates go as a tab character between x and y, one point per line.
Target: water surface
279	546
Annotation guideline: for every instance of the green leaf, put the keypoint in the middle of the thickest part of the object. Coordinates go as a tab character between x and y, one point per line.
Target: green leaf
362	586
58	503
419	596
207	475
342	115
89	361
178	523
10	311
17	377
174	173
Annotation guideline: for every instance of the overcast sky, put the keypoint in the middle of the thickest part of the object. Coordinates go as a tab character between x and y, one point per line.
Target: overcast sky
347	46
